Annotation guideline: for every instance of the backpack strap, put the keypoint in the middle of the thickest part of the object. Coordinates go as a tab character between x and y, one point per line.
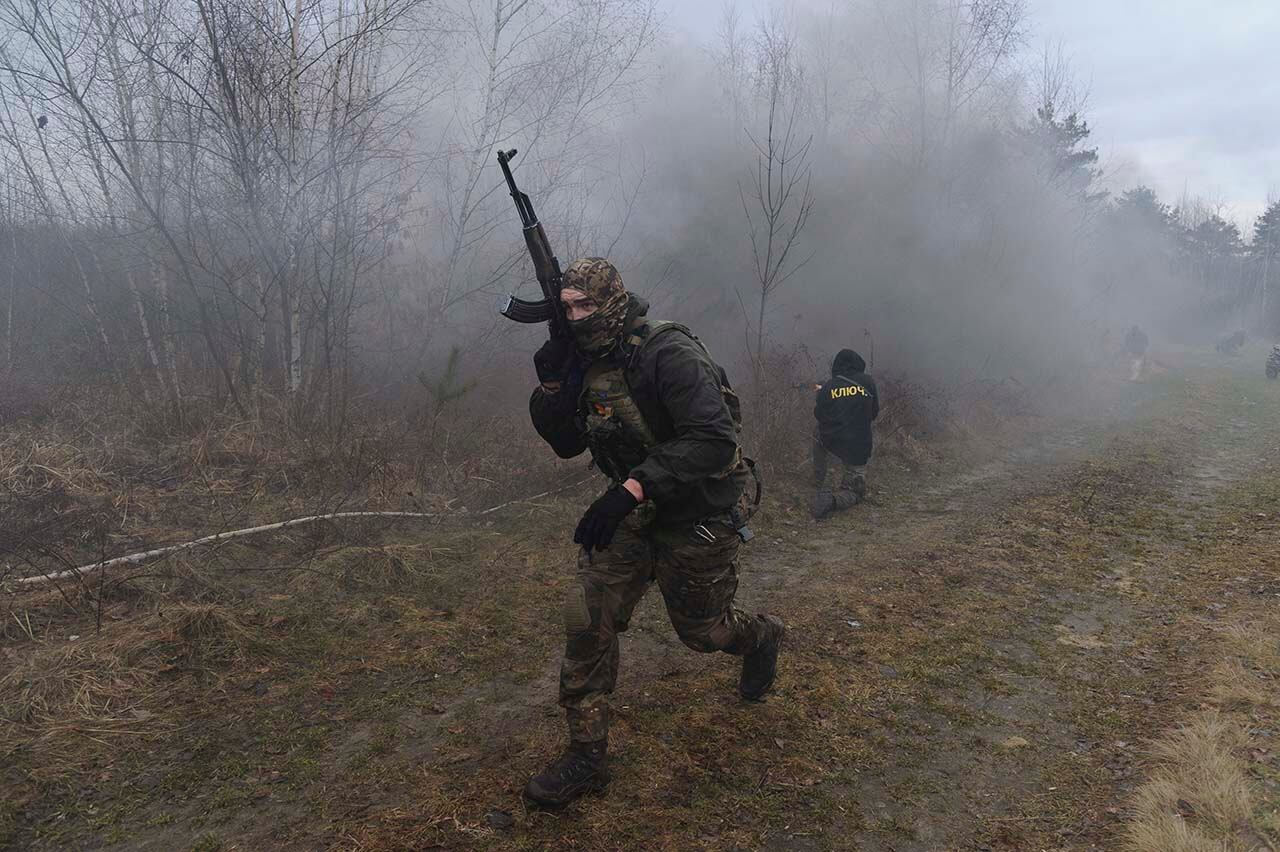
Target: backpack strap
641	336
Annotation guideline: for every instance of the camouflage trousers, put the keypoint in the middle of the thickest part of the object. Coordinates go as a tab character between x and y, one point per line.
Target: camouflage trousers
698	580
850	488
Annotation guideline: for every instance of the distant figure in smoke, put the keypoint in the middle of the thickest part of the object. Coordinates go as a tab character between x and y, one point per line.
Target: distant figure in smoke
1231	345
1135	347
845	407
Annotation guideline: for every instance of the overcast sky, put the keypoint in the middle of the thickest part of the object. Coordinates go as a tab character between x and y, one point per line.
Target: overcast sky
1181	93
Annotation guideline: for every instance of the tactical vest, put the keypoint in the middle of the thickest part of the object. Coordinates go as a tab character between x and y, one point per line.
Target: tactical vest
617	434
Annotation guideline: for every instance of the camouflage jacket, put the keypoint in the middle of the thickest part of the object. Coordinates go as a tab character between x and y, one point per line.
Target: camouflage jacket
677	388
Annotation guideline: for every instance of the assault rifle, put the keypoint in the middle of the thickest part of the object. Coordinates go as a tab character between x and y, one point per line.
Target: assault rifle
545	265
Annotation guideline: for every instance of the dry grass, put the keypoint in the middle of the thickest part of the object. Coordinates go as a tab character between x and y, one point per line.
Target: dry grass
92	681
1201	794
32	465
1214	779
83	483
206	631
100	680
1249	677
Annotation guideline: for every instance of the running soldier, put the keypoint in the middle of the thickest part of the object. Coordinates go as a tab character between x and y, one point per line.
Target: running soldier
660	420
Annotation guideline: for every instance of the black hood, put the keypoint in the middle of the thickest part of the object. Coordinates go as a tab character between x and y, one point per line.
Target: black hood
847	362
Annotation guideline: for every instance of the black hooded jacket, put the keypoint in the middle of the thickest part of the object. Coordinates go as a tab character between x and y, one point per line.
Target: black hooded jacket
676	386
845	407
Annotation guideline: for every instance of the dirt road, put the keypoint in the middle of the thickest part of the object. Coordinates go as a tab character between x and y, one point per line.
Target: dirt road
986	656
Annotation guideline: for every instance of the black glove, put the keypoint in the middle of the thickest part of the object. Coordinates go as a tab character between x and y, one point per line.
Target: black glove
554	359
598	525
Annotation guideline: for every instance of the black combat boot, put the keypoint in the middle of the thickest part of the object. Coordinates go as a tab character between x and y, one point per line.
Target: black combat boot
761	666
583	768
859	486
824	502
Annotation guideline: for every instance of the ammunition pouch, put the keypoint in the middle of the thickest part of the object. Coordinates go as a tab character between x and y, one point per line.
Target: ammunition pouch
614	450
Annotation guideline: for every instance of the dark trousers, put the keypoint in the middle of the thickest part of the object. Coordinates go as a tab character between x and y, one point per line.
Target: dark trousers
851	486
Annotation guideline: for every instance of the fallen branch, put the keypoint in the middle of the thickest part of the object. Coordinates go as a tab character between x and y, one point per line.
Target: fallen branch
210	539
533	497
216	538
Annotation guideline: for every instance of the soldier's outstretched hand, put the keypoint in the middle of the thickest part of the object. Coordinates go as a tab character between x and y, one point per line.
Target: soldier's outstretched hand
595	530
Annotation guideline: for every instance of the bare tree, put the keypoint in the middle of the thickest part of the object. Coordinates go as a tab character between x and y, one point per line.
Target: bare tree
10	222
731	54
548	76
262	148
932	63
825	64
779	199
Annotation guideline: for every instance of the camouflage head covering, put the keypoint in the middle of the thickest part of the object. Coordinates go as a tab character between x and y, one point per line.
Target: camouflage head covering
599	279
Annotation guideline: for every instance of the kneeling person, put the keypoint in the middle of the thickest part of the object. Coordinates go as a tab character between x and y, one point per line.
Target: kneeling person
846	405
654	410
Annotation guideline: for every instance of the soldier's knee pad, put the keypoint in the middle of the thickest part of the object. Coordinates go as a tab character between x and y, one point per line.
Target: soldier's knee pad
584	638
577	614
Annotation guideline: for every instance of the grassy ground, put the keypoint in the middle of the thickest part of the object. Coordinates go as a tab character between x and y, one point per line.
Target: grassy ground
1063	641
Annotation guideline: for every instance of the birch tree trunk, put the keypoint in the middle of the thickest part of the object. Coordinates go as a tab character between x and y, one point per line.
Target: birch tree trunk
294	319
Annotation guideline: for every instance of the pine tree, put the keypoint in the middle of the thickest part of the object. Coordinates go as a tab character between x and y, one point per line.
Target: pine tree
1265	253
1059	142
1141	207
1266	230
1213	248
